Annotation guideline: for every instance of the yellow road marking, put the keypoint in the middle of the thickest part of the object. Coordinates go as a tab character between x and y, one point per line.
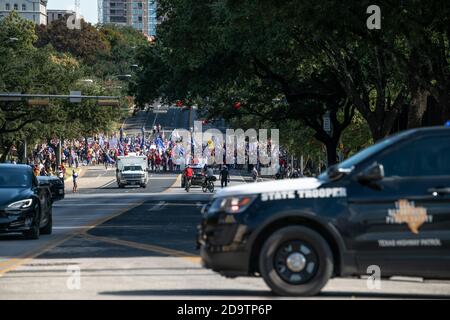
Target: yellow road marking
146	247
12	264
177	182
8	262
17	262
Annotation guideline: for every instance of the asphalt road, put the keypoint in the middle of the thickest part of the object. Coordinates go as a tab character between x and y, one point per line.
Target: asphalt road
172	118
140	244
175	118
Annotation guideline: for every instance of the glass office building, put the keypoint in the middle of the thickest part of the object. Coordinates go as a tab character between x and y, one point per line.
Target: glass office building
140	14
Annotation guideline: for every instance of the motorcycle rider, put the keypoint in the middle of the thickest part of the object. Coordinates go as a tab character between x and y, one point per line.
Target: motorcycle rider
208	173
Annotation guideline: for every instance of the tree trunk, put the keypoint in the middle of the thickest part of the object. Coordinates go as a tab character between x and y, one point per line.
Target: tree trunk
21	152
417	108
444	103
331	147
377	131
6	153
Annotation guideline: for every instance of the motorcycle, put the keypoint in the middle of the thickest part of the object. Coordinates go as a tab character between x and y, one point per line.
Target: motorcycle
208	185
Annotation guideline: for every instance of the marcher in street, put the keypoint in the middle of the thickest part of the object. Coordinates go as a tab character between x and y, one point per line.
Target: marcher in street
75	178
255	174
224	176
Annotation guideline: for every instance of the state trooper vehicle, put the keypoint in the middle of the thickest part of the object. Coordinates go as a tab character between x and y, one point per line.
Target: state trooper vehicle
388	206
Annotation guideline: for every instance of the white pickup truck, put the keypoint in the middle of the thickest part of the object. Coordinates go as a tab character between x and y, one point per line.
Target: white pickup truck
132	170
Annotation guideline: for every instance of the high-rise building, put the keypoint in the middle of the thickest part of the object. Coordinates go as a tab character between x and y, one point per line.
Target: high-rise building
34	10
114	12
139	14
53	15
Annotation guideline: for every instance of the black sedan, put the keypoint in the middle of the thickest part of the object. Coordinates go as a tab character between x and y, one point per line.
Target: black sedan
56	186
25	207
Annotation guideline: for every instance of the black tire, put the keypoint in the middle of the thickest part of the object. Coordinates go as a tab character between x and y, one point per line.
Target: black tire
48	229
183	182
121	186
35	232
272	254
211	188
144	186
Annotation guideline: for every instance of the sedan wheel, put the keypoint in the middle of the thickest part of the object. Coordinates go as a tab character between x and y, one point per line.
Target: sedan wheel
35	232
47	230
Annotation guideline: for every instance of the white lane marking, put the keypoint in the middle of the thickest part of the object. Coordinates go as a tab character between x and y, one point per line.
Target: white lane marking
125	204
132	195
88	205
243	179
158	207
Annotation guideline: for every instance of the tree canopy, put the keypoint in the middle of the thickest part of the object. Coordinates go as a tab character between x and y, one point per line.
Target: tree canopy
299	60
56	60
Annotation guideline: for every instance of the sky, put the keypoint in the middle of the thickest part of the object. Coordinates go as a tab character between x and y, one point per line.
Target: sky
88	8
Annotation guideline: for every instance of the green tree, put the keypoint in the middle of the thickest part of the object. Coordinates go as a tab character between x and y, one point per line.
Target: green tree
223	52
86	43
26	68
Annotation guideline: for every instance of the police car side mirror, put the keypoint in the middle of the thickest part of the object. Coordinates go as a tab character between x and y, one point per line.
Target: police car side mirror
374	172
336	173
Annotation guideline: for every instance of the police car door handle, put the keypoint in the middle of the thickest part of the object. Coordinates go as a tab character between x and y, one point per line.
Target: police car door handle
439	191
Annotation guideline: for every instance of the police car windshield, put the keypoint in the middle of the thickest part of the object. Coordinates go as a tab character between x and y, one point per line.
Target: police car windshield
367	153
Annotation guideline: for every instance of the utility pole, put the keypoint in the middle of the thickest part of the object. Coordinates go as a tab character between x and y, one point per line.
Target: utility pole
59	152
25	151
77	7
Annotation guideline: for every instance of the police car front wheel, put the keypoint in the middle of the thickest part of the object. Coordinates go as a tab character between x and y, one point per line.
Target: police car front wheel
296	261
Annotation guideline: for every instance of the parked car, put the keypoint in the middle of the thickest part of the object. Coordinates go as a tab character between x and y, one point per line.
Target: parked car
25	206
56	186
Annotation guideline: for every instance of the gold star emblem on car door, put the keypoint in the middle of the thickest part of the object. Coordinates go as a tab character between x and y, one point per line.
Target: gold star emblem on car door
407	212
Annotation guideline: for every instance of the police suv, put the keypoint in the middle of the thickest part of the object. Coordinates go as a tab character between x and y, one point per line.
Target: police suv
387	208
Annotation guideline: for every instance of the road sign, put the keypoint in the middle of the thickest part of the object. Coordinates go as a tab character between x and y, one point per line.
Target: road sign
327	123
6	98
75	97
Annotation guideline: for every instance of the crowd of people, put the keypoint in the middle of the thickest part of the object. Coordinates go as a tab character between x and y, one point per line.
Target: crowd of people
163	154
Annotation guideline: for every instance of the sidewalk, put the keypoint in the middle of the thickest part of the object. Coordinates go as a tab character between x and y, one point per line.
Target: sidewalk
92	177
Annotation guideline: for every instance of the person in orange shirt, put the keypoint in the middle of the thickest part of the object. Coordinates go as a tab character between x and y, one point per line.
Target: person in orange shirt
36	170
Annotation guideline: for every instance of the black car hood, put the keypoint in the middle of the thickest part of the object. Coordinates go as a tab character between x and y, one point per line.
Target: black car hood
10	195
